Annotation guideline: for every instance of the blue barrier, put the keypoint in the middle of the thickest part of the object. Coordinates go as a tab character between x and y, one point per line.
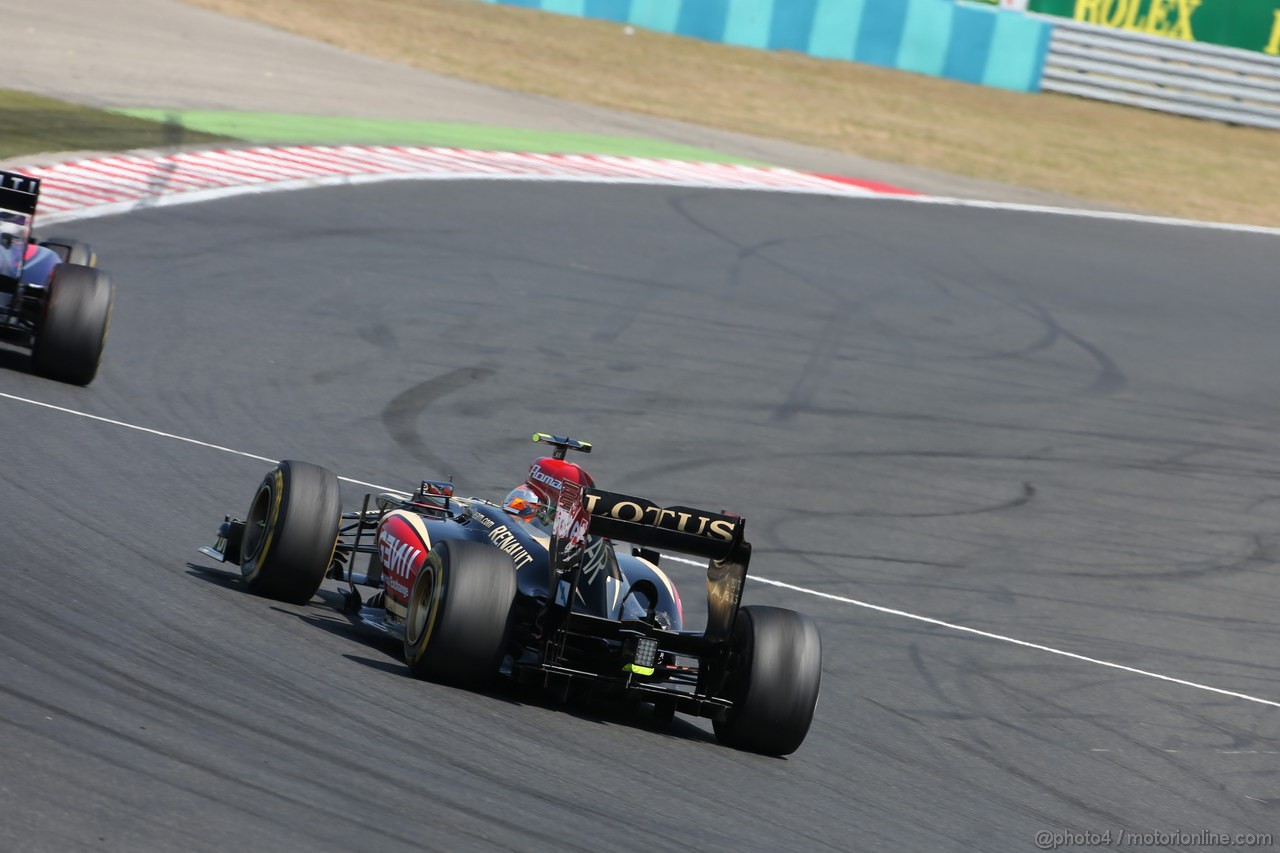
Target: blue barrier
941	38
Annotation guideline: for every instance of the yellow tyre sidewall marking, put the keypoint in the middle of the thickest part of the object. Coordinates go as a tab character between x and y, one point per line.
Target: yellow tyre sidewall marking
273	518
423	642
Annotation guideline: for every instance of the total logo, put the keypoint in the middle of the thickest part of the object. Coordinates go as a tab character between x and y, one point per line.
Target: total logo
537	474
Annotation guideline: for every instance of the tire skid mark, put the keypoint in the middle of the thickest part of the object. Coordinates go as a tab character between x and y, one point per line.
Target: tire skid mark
969	709
815	370
400	416
826	347
1024	497
1098	721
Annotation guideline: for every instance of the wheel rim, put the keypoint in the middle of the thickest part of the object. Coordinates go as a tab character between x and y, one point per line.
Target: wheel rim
255	526
420	604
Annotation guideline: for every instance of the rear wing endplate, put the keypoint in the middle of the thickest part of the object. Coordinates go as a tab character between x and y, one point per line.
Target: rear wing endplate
18	197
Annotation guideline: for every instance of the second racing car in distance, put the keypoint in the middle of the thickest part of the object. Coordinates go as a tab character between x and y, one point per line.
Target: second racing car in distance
53	299
537	588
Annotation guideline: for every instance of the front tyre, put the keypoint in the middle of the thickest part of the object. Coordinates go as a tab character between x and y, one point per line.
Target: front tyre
68	345
290	531
456	624
775	681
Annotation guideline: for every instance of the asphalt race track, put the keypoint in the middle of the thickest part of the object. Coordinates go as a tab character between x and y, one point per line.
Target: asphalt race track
1062	431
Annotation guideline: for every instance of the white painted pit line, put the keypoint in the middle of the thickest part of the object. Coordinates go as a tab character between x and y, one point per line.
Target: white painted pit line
903	614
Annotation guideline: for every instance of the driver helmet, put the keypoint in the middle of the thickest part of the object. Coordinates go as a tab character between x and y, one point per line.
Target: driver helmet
538	495
522	502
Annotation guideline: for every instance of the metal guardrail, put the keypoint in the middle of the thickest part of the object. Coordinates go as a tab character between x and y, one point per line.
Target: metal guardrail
1188	78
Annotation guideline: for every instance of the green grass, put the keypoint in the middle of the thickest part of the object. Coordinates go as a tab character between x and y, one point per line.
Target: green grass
273	128
31	124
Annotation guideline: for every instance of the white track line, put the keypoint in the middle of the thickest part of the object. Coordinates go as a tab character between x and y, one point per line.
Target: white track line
182	438
999	637
840	598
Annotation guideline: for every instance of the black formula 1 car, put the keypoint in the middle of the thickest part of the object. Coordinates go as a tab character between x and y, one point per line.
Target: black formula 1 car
536	589
53	299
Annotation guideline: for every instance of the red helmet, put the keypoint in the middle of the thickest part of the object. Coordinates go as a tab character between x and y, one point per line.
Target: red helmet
540	491
548	475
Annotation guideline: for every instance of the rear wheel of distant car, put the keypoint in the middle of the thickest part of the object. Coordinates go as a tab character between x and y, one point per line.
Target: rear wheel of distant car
459	606
72	251
290	531
69	342
774	685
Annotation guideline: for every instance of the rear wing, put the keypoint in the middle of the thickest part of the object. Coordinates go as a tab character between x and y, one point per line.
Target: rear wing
18	197
674	528
716	536
19	193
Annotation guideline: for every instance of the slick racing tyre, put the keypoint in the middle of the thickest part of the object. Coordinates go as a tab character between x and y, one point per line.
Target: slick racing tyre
72	251
68	345
456	624
774	683
290	531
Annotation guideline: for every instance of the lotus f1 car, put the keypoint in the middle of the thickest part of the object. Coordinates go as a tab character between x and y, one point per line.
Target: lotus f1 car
537	589
53	300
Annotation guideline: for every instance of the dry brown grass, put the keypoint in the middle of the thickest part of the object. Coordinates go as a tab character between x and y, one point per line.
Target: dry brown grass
1139	159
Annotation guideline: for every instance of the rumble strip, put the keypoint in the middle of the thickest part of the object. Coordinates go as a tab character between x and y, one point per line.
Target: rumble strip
118	184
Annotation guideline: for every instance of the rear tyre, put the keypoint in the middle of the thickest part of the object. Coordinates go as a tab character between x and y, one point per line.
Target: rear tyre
72	251
775	681
68	346
290	531
456	624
